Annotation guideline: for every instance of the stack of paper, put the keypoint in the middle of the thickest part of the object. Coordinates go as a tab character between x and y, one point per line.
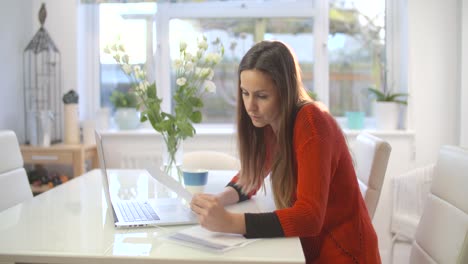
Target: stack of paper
198	236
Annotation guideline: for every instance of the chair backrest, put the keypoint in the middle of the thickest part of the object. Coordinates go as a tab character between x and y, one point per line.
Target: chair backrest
371	155
442	233
210	160
14	183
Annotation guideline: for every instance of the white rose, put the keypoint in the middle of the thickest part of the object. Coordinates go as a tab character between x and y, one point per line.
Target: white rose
181	81
203	45
189	66
211	75
200	53
177	63
117	57
209	86
121	48
188	56
198	71
183	45
213	57
142	87
205	72
127	68
139	74
125	58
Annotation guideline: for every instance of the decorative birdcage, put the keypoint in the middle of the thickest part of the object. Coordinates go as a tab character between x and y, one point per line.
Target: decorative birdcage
42	88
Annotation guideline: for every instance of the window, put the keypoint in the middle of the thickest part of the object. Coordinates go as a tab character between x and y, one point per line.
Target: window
238	35
353	59
356	53
133	24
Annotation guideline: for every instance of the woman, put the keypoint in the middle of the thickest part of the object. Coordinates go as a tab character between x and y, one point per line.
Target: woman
283	132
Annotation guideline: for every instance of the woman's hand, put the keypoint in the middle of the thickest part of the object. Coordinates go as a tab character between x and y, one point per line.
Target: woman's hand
212	215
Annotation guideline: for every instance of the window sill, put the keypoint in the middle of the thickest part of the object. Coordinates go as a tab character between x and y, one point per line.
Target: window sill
220	130
380	133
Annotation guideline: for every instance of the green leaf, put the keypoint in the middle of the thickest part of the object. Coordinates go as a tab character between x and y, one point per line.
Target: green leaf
387	96
393	97
196	117
380	96
186	129
403	102
196	102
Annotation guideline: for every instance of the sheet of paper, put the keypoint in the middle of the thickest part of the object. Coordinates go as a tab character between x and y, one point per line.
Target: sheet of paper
200	237
169	182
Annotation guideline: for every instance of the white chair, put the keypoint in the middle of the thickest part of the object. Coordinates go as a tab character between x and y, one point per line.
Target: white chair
442	233
210	160
409	193
13	178
371	155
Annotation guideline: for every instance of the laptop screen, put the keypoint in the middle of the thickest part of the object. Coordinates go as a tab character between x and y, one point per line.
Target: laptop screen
105	181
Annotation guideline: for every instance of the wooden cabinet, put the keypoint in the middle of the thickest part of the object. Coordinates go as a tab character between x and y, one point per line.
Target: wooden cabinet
73	155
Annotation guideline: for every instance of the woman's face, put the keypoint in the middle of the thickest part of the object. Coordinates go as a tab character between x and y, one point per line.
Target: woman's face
260	98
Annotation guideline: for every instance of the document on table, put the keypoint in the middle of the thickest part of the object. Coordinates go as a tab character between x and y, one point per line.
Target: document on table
170	183
200	237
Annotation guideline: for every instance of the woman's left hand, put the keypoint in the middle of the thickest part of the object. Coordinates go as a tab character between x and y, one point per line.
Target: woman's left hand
211	213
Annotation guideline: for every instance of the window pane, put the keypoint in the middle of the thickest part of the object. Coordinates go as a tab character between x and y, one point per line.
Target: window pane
356	49
129	23
237	36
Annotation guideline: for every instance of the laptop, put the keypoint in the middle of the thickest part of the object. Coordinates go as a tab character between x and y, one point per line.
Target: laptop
141	213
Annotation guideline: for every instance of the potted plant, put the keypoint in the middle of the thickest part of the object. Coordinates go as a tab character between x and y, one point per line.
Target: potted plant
126	115
386	107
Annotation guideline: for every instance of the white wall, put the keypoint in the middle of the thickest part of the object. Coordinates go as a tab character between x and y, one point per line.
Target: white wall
464	75
16	32
18	24
433	35
61	23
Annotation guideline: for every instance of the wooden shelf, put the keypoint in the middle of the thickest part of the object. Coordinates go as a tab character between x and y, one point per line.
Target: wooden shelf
40	189
74	155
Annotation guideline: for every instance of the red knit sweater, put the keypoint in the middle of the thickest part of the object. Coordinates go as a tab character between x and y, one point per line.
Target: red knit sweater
328	214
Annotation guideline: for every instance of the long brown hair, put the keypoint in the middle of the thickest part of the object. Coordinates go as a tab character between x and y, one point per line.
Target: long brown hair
277	61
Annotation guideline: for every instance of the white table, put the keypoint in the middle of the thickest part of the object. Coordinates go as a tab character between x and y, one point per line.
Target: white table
72	224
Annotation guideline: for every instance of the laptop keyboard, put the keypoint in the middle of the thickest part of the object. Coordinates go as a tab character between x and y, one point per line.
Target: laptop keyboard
137	211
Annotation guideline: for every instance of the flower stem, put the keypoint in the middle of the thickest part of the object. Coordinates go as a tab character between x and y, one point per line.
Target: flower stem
172	146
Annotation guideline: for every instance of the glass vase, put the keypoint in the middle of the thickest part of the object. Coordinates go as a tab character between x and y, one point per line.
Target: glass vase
172	155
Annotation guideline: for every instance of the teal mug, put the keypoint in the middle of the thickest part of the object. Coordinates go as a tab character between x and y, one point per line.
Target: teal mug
355	120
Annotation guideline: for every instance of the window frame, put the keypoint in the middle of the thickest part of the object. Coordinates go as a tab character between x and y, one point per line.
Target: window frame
396	45
240	9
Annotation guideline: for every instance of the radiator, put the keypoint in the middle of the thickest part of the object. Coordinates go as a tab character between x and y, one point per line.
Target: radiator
140	160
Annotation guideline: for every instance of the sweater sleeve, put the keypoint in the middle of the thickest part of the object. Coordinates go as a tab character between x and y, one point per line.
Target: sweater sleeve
262	225
242	195
314	146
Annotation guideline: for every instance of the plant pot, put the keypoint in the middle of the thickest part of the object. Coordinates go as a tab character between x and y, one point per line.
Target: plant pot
386	115
72	124
126	118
